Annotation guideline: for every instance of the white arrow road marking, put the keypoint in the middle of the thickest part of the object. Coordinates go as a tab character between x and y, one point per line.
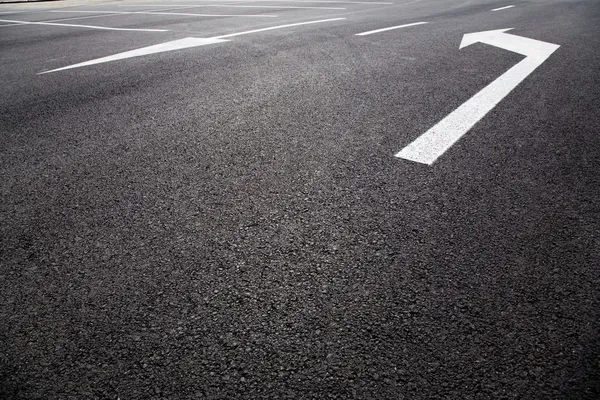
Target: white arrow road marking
159	48
180	44
433	143
502	8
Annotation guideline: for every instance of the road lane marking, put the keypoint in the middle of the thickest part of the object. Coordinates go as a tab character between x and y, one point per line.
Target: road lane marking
180	44
502	8
158	48
390	28
170	13
67	19
278	27
308	1
327	1
79	26
290	7
236	6
110	15
76	18
433	143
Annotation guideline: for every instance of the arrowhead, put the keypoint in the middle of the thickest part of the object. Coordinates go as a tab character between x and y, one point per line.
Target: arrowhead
157	48
470	38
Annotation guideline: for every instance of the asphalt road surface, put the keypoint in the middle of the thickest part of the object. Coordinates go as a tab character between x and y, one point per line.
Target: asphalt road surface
284	200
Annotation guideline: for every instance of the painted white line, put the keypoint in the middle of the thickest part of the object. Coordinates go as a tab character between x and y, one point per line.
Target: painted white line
502	8
305	1
390	28
327	1
437	140
101	15
278	27
81	26
236	6
65	19
158	48
76	18
208	15
172	13
278	7
179	44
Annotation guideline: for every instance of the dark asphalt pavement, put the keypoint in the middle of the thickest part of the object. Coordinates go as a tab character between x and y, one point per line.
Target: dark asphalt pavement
229	221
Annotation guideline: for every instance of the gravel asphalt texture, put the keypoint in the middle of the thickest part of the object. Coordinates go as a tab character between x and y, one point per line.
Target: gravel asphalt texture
229	222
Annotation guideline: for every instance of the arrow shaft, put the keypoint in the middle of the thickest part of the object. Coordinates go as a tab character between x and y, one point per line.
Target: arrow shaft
436	141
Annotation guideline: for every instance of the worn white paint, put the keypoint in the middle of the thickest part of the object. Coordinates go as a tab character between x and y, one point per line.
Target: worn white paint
390	28
437	140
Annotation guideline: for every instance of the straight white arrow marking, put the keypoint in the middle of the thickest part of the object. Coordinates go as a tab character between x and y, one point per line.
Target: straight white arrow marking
437	140
158	48
181	44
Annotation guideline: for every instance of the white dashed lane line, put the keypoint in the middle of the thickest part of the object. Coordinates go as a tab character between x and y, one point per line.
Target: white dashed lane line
278	27
390	28
502	8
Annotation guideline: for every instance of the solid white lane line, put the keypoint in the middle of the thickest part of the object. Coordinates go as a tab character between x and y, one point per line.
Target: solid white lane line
236	6
277	27
172	13
158	48
81	26
390	28
179	44
502	8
